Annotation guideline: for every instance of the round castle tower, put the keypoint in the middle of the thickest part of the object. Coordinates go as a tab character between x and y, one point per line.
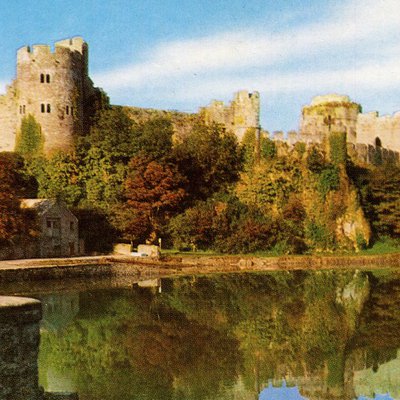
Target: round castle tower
330	113
51	87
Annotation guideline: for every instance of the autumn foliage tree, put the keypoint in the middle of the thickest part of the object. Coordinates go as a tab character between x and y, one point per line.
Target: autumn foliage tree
153	193
11	215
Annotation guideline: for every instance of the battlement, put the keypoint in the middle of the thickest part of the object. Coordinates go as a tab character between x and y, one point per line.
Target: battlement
61	48
73	44
330	98
242	113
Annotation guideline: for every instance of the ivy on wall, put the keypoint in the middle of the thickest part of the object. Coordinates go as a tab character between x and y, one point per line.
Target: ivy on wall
29	140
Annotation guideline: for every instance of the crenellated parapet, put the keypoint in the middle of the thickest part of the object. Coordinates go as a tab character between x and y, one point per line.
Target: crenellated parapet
241	114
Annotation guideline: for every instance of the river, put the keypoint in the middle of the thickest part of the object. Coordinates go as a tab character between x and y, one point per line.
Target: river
320	335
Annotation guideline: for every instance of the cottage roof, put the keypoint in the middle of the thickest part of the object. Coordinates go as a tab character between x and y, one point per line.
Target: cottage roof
43	206
39	205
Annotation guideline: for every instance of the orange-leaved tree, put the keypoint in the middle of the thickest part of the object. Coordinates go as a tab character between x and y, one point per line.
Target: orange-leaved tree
153	191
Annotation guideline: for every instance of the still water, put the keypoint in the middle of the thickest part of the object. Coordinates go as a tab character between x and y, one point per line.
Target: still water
323	335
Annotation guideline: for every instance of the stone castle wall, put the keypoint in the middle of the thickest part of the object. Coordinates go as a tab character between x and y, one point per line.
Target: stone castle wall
242	113
331	113
370	138
379	131
19	348
51	86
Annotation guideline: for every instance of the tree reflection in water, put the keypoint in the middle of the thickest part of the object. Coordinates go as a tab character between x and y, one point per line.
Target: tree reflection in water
333	335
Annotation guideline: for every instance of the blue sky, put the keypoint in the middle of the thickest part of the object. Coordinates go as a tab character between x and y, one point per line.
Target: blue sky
180	54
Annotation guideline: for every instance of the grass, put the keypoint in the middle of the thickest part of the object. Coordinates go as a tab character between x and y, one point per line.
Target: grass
383	246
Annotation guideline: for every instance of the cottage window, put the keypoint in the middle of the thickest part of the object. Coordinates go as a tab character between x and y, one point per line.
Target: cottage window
41	78
48	108
53	227
43	108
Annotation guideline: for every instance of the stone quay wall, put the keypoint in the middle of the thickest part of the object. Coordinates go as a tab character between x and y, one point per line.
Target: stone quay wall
19	348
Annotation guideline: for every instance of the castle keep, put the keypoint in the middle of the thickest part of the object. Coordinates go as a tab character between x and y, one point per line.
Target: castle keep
55	88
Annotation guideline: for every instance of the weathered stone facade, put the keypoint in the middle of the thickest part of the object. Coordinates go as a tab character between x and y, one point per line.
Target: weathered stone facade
370	138
55	88
331	113
241	114
58	228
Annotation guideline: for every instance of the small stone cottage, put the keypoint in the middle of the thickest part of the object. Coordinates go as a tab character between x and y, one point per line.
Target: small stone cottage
59	236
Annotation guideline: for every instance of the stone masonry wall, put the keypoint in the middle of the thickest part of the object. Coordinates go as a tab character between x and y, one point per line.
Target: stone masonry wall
8	120
379	131
242	113
19	347
55	88
330	113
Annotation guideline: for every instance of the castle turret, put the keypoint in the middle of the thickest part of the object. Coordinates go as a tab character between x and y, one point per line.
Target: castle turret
330	113
53	87
50	86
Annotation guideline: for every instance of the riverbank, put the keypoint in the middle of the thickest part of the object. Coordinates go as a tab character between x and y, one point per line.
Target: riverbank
142	268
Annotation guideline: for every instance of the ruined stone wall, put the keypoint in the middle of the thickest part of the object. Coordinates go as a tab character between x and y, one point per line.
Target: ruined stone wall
242	113
55	88
330	113
8	119
379	131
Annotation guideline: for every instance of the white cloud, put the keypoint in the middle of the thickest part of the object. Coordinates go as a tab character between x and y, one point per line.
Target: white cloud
197	70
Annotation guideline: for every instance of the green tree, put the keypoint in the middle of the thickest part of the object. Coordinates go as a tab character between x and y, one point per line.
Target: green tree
384	197
155	139
210	158
59	177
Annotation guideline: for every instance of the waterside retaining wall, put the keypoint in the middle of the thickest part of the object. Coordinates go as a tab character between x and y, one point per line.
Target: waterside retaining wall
19	348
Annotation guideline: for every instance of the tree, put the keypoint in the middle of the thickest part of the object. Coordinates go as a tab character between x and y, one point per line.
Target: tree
155	139
60	177
153	192
11	215
384	197
114	134
210	158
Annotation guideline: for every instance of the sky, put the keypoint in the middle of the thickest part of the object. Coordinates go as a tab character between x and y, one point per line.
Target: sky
181	54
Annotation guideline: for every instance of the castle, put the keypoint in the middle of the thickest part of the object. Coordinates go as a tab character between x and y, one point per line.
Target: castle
55	88
367	134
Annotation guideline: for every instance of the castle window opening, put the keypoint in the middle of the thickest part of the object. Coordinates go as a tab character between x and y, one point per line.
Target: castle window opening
41	78
23	109
20	109
378	142
47	78
67	110
43	108
72	110
48	108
